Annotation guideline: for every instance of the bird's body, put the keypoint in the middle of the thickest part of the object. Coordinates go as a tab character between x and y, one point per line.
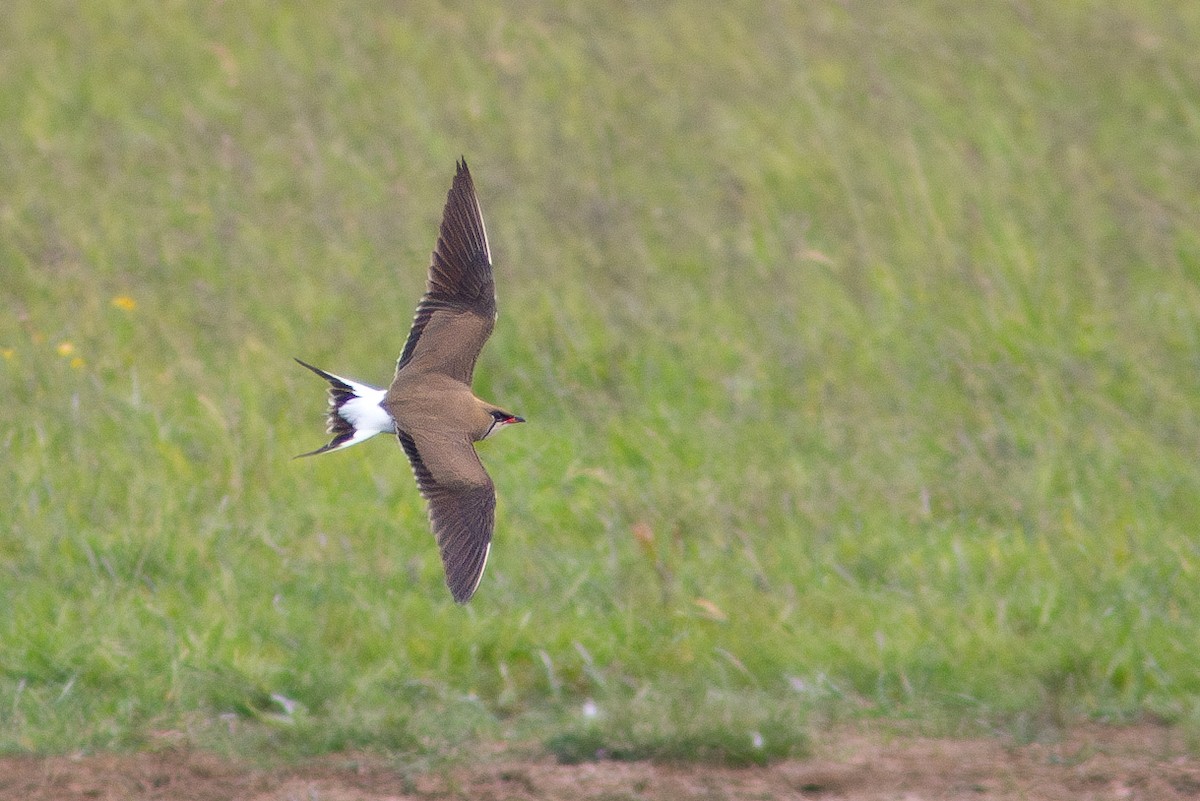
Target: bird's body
430	405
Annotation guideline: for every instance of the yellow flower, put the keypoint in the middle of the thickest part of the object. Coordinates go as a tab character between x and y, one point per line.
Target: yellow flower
8	353
124	303
77	362
65	349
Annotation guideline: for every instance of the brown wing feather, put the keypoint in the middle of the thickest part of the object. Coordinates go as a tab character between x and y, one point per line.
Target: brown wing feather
462	509
457	312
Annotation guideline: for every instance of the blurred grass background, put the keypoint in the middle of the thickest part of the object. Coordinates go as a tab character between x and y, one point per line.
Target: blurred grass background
860	345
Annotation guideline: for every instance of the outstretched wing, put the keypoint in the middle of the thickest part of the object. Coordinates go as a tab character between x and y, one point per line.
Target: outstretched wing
456	314
462	507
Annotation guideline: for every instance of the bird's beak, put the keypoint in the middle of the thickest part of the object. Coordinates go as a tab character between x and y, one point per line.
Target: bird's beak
515	419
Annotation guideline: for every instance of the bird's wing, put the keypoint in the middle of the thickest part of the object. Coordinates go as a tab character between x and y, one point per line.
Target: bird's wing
456	314
462	505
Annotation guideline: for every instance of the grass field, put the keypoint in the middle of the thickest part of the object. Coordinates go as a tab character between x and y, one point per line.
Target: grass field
860	345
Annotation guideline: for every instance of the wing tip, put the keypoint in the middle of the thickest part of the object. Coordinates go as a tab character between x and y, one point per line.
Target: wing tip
462	180
462	174
463	587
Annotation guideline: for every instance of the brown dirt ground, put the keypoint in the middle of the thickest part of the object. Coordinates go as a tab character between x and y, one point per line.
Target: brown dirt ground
1092	762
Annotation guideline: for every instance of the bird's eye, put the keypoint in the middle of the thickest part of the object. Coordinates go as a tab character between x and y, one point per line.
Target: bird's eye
499	416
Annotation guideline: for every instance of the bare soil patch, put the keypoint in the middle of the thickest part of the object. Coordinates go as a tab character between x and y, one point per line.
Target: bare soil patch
1135	762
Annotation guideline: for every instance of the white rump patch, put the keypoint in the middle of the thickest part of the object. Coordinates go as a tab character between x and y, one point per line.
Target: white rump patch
365	414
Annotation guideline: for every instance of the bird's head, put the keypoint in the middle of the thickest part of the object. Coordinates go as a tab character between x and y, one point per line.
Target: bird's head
500	419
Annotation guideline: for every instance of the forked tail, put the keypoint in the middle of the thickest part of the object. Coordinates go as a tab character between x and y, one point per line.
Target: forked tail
354	412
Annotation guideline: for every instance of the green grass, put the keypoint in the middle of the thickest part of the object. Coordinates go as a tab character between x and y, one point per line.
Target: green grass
860	347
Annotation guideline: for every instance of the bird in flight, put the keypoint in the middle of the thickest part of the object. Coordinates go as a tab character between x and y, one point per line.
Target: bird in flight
430	406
